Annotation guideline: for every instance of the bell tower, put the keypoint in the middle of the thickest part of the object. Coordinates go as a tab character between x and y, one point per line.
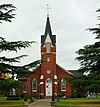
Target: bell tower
48	56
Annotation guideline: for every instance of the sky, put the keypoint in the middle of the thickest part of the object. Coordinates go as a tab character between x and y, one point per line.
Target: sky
69	20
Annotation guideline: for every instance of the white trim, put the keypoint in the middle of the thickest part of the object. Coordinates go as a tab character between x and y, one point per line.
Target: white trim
41	77
55	83
34	90
55	76
24	91
41	83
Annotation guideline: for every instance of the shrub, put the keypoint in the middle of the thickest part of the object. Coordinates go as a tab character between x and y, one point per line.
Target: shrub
37	96
53	98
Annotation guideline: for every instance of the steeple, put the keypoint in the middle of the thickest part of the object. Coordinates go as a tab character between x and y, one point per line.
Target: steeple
48	27
48	37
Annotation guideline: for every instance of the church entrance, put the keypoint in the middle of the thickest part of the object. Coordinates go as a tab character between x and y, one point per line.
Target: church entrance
48	87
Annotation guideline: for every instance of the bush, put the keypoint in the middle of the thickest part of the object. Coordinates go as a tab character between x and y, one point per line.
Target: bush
18	95
25	97
22	96
61	95
53	98
37	96
73	94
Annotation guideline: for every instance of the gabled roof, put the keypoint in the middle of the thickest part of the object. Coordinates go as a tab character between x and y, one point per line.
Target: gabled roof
48	31
25	75
20	77
64	69
75	73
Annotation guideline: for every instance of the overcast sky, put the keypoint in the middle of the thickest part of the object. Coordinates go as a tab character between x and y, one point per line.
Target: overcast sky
68	18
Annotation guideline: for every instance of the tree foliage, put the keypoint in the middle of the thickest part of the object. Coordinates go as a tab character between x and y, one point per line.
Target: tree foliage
7	64
7	84
89	58
6	12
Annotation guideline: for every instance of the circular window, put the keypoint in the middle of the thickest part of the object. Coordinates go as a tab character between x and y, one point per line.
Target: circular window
48	71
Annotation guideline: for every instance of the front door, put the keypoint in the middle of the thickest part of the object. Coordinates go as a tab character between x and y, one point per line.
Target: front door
48	87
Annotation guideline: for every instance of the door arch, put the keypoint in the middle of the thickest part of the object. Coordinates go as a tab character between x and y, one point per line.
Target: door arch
48	87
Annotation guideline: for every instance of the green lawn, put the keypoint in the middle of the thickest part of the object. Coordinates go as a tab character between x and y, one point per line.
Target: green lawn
11	103
79	102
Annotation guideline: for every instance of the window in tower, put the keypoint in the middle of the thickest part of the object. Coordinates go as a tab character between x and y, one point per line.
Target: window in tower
48	59
48	47
48	71
63	84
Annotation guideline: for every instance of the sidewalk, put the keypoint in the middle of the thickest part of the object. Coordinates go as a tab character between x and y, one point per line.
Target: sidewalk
41	103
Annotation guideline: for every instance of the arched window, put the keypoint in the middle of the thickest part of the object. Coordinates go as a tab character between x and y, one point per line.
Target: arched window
63	84
49	80
34	85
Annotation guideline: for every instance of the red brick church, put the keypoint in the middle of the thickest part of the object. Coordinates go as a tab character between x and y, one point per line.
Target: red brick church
49	77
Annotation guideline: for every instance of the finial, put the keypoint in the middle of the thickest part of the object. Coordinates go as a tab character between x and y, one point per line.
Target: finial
48	8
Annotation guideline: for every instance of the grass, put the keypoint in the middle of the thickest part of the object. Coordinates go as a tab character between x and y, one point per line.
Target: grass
11	103
79	102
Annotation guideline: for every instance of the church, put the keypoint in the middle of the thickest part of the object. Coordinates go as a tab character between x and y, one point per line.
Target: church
49	78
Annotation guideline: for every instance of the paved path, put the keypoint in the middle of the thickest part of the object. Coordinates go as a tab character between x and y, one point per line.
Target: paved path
41	103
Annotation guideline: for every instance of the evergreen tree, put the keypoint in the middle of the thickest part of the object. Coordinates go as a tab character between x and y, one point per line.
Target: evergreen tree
6	85
89	58
6	64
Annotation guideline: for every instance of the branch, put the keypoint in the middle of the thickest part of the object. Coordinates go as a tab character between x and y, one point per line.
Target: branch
14	46
6	12
12	60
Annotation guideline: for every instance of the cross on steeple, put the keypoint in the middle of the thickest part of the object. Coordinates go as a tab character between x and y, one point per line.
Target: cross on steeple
48	8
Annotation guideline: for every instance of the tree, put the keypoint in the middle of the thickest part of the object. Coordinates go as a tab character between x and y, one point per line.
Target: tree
6	85
7	64
89	58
